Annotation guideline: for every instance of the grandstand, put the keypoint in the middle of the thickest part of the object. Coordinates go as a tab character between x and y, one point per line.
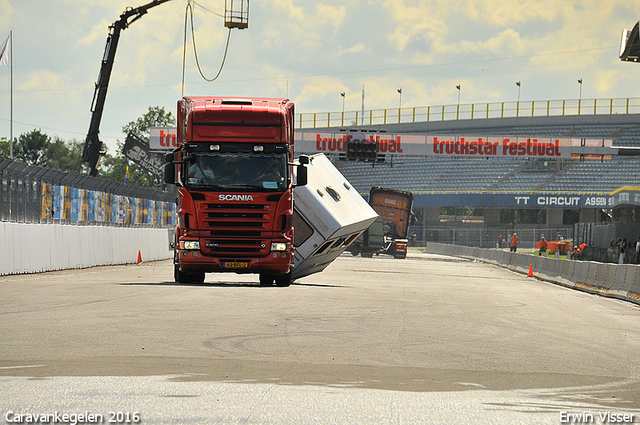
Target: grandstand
422	174
584	188
425	175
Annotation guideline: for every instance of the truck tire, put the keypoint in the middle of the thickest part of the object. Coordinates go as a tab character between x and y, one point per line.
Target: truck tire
183	277
284	280
266	279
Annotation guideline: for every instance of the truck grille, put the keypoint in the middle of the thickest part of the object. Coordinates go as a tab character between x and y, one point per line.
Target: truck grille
235	229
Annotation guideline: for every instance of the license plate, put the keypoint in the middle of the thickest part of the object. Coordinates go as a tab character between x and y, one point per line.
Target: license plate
235	264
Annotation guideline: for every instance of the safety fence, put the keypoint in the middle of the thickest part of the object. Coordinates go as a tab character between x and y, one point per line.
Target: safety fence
534	108
487	237
31	194
611	280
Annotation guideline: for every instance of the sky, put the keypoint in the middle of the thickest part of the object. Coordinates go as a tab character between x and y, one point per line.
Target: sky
310	52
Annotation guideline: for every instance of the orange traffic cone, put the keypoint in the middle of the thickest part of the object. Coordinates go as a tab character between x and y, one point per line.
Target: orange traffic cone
139	258
530	271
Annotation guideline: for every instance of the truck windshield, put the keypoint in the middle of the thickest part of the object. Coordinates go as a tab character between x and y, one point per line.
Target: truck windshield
237	171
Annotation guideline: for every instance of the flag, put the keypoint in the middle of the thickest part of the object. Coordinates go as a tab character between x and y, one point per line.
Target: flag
5	52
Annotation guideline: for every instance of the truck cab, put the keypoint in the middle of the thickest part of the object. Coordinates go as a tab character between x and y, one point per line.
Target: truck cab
234	176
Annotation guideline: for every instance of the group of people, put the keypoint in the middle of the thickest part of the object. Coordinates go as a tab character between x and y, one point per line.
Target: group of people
624	253
512	241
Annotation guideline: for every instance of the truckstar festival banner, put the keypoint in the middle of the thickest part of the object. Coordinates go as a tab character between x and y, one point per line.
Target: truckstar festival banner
163	138
441	145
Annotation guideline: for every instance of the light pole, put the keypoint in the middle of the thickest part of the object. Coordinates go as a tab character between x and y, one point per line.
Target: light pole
400	106
342	94
458	107
518	102
580	98
458	87
580	82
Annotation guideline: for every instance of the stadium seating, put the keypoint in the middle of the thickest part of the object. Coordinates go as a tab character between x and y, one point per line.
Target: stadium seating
425	174
431	174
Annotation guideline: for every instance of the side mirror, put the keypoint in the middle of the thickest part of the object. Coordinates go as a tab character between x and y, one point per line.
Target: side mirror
170	173
169	169
301	175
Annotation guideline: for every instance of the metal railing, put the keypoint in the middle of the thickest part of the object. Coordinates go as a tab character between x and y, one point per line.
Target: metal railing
534	108
31	194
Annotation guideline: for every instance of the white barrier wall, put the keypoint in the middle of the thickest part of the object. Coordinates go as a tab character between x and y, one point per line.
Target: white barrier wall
32	248
612	280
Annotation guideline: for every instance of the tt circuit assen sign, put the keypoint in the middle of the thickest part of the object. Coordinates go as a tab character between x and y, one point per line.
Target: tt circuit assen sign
622	196
425	145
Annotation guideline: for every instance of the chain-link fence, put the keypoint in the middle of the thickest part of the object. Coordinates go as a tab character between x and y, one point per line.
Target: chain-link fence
31	194
486	237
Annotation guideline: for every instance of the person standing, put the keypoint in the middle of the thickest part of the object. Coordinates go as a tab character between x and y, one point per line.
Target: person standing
514	242
620	248
543	247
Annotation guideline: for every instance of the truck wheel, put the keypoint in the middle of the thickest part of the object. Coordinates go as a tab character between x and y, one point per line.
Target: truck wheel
284	280
183	277
354	250
266	279
179	276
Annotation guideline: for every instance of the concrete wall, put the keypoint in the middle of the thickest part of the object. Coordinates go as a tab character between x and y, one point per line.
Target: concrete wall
32	248
612	280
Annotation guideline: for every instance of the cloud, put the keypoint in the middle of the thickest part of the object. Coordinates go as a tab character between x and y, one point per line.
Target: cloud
6	13
45	81
416	22
330	14
292	12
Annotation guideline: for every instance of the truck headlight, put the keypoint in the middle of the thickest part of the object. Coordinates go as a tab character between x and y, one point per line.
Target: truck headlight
278	246
189	244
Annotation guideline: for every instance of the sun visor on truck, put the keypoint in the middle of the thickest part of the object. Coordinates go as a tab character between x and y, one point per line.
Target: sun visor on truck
249	129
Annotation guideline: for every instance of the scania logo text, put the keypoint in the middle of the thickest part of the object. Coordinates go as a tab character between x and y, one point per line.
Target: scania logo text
228	197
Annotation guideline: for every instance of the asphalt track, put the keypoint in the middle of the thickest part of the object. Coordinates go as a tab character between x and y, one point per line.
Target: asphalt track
429	339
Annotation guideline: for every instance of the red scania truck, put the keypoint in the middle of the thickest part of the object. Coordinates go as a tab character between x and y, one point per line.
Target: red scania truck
234	175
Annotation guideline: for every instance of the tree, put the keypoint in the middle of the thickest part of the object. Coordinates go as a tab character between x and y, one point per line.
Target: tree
65	156
155	117
115	166
30	148
5	149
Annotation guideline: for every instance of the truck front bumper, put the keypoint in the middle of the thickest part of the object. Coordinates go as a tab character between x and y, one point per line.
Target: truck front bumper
194	261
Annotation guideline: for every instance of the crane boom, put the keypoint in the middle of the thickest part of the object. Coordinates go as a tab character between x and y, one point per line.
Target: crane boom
93	146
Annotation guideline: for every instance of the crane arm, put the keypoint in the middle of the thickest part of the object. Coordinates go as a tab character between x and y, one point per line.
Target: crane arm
93	146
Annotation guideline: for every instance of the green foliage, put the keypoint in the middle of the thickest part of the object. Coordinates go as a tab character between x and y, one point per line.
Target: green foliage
37	148
65	156
5	149
114	167
155	117
31	147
